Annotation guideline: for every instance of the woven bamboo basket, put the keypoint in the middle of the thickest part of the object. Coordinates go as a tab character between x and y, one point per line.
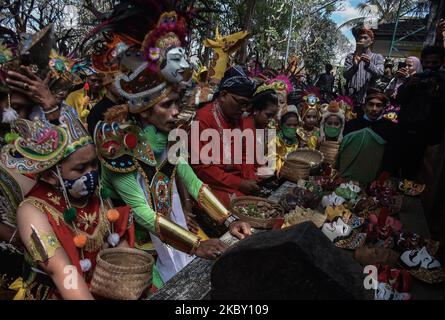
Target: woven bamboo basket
122	273
309	156
330	151
256	222
294	170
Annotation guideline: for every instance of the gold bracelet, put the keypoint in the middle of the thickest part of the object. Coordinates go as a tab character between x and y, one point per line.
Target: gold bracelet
195	247
210	203
175	235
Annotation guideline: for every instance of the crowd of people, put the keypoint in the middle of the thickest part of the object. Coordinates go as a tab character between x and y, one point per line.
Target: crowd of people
85	145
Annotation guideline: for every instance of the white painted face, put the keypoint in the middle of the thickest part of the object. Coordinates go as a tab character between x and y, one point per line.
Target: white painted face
176	65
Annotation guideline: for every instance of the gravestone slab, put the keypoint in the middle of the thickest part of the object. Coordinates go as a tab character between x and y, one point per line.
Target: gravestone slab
293	263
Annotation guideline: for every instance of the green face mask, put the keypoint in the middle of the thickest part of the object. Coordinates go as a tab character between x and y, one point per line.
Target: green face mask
332	132
289	133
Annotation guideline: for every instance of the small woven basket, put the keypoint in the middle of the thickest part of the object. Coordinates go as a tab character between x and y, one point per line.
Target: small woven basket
309	156
122	273
330	151
294	170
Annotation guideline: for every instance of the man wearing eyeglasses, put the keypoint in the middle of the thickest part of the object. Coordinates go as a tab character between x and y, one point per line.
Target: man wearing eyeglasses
225	112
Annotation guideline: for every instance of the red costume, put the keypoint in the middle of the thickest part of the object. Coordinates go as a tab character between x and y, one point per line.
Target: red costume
89	220
223	179
249	171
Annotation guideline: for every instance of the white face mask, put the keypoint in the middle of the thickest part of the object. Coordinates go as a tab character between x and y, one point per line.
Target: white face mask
176	64
336	229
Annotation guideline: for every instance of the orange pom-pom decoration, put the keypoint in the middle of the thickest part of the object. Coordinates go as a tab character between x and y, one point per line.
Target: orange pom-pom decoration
80	241
113	215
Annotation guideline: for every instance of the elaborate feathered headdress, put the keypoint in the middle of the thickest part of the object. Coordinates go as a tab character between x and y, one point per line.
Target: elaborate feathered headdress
145	30
283	83
347	105
169	32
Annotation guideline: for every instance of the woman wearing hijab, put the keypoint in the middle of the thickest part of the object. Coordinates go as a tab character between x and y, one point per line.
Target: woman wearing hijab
412	67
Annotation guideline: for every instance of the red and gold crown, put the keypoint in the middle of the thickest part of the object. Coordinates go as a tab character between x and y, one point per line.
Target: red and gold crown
169	32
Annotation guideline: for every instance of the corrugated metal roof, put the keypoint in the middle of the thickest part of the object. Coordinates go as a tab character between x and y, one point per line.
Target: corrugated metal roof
405	27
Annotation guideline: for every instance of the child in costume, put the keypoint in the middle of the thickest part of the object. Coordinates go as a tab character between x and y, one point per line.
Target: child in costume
332	123
308	133
62	222
286	140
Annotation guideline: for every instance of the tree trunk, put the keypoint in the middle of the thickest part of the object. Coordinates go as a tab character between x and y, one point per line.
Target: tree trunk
207	51
437	11
247	26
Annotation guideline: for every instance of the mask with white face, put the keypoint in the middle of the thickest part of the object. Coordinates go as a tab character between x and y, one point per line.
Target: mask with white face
176	65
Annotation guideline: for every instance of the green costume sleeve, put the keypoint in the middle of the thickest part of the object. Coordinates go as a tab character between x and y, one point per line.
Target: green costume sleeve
188	176
126	187
201	193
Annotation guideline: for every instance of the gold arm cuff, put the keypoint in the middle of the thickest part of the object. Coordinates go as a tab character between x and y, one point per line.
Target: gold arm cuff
214	208
176	236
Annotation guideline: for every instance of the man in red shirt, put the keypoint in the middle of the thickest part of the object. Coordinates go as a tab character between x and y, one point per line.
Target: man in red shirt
224	112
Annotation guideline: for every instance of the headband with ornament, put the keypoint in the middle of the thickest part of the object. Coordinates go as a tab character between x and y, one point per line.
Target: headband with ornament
377	95
289	109
311	102
39	147
78	135
275	86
